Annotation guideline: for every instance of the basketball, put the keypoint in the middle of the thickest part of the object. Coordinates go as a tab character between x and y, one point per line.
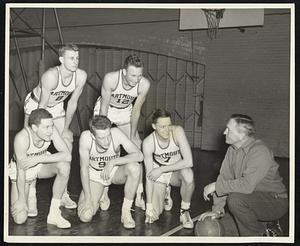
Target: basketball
209	227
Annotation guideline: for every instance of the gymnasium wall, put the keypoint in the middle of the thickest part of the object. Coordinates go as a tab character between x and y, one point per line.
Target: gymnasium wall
245	72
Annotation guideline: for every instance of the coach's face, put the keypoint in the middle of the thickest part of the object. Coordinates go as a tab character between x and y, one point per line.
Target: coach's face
70	60
162	127
103	138
45	129
233	134
133	75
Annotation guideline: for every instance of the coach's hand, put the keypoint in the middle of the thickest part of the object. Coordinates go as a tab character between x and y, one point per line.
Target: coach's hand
212	214
154	174
209	189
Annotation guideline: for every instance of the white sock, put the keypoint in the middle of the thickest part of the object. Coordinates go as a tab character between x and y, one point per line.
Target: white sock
140	188
54	206
127	204
185	205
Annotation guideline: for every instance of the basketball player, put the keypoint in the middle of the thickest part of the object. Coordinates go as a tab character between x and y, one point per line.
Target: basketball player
119	90
31	161
101	165
168	160
56	85
249	182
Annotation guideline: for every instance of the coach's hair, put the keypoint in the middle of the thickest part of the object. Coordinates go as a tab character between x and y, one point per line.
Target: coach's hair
37	115
133	60
245	123
67	46
99	122
159	113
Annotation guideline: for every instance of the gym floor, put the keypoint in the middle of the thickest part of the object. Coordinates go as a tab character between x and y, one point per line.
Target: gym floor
107	223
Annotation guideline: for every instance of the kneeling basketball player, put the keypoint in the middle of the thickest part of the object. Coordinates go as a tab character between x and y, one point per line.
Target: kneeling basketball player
168	161
101	165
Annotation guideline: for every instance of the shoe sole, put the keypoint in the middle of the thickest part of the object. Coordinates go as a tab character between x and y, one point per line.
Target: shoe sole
68	207
32	214
54	223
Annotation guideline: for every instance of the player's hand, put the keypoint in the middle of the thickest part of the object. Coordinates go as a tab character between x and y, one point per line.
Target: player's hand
67	134
154	174
212	214
18	206
105	174
28	162
208	190
150	218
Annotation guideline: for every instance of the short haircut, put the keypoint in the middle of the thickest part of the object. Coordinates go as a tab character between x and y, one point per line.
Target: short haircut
245	123
159	113
133	60
67	46
37	115
99	122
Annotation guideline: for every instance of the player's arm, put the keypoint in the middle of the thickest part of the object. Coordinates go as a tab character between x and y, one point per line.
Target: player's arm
136	110
148	149
49	81
185	149
106	91
84	145
72	103
133	153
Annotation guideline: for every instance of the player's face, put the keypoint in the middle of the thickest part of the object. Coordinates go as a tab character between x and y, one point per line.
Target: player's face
232	133
103	138
71	60
45	129
163	127
133	75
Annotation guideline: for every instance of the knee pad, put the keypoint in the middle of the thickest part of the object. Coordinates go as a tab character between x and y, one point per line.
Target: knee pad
20	217
86	214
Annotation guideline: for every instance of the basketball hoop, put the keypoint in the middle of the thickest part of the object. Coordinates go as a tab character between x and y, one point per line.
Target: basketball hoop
213	17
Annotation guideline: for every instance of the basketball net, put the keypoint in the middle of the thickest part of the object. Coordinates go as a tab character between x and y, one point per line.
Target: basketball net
213	17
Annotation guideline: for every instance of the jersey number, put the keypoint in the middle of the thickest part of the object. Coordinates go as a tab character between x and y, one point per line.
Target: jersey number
101	164
59	98
168	158
123	101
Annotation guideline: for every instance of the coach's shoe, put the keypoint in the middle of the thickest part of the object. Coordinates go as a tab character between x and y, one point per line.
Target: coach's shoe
186	219
104	202
139	201
58	220
273	229
67	202
32	205
168	203
127	219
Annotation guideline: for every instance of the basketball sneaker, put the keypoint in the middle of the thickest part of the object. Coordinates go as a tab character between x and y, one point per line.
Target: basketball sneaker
126	219
273	229
32	204
58	220
139	201
104	202
186	219
67	202
168	203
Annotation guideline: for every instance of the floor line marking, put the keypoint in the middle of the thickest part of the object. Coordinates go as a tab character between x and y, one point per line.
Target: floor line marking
177	228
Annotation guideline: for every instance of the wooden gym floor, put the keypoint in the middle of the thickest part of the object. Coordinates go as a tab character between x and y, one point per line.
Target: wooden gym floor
107	223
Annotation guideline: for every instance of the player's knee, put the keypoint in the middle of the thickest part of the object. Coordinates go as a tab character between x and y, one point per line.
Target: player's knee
21	217
235	200
86	215
133	169
63	169
187	175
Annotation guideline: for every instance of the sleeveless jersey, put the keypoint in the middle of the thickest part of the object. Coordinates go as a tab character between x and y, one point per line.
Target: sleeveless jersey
98	160
121	97
61	92
168	155
34	150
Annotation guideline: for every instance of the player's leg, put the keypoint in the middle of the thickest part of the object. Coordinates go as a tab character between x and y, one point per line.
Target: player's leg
85	213
185	179
126	174
61	171
158	197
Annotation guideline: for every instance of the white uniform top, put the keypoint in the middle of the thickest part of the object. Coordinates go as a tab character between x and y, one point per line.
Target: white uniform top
61	91
33	150
121	97
168	155
98	160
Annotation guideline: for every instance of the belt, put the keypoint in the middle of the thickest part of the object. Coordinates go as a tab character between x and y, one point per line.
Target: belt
281	195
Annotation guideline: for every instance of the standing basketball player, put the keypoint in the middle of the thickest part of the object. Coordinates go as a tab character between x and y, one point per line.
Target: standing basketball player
119	90
101	165
31	161
56	85
249	182
168	160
